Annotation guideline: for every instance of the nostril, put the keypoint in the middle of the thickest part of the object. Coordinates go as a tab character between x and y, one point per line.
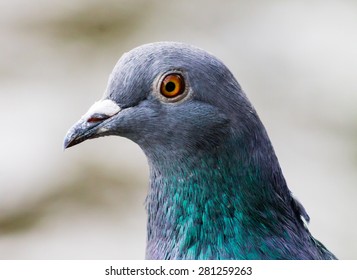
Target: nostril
97	118
100	111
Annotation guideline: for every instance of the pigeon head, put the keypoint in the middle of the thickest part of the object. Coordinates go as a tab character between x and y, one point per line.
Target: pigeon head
168	97
216	187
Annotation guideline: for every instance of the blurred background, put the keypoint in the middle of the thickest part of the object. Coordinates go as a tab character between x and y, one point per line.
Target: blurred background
296	60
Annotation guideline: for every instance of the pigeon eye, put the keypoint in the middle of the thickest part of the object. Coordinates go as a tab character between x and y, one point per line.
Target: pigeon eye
172	85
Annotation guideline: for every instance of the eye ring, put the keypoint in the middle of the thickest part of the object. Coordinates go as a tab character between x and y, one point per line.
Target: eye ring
172	85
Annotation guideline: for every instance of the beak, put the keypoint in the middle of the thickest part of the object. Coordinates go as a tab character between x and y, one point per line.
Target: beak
91	124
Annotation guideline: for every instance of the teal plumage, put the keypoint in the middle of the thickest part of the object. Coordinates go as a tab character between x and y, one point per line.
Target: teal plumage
216	187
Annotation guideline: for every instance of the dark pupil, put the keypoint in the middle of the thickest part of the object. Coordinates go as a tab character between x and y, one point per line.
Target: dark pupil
170	86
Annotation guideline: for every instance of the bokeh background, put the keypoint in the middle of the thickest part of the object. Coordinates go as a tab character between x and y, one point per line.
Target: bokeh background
296	60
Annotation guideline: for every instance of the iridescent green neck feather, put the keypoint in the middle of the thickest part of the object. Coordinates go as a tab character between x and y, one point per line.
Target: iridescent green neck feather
223	204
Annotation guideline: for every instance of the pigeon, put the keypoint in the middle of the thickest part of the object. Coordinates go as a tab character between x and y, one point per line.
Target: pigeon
216	189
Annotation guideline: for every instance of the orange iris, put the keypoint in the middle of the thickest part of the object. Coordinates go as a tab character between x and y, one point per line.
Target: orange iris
172	85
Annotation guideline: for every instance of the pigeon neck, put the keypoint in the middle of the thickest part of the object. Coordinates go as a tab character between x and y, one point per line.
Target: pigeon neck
212	204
